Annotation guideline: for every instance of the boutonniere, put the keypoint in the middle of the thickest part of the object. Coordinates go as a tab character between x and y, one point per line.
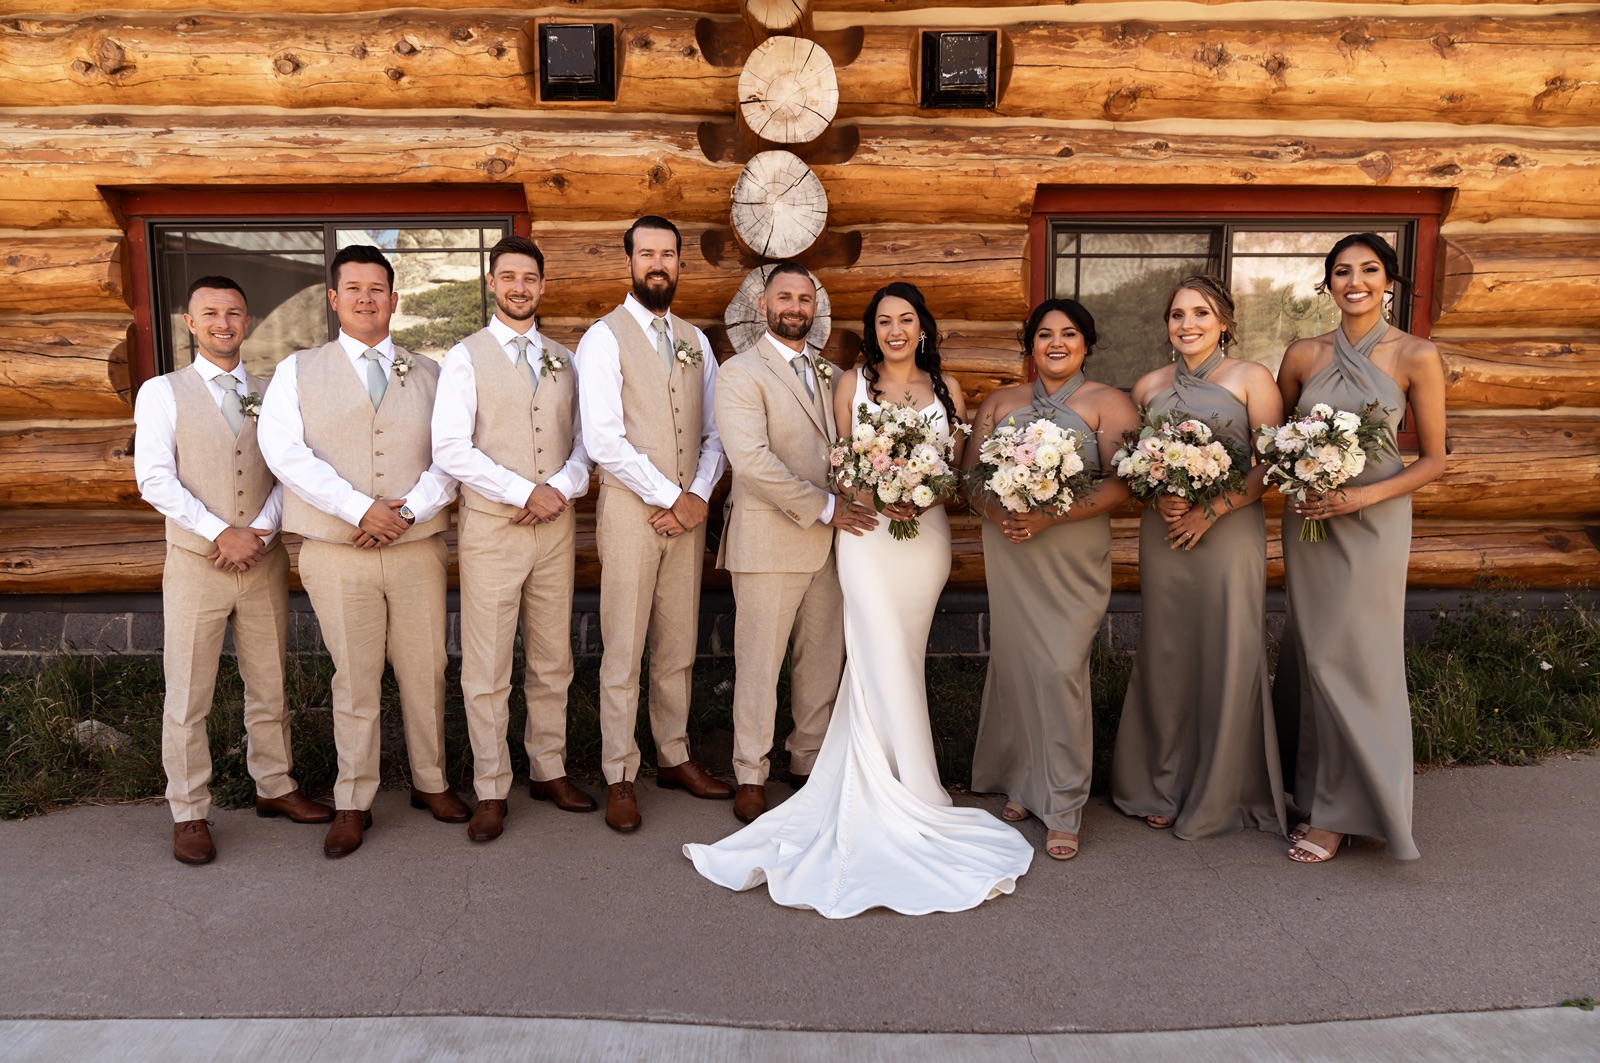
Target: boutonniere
402	366
824	370
250	405
687	354
550	364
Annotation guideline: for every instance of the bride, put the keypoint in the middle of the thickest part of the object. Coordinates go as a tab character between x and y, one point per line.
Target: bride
873	827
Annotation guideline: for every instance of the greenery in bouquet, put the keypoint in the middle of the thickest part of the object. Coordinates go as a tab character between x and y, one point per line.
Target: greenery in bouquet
1319	453
1036	467
898	454
1179	455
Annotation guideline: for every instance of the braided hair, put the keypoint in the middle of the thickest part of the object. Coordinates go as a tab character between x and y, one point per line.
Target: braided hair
927	358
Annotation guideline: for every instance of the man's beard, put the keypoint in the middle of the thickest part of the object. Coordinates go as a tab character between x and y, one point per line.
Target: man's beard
655	300
786	331
511	314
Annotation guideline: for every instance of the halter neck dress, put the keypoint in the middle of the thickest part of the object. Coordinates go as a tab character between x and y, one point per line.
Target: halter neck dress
1196	741
1344	713
1046	600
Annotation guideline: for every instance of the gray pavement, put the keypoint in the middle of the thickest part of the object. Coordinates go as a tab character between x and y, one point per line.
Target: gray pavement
563	920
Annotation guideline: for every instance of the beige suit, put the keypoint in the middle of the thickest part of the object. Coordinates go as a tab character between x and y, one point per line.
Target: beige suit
514	571
649	584
385	601
227	474
785	584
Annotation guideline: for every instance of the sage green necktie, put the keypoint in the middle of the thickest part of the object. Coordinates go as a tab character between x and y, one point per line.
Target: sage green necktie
663	344
232	409
523	365
377	380
799	366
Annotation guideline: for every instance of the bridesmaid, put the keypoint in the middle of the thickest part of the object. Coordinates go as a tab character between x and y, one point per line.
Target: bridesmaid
1343	709
1049	583
1196	749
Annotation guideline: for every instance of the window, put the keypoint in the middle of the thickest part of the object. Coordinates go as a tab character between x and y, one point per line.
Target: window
278	246
960	69
577	61
1121	263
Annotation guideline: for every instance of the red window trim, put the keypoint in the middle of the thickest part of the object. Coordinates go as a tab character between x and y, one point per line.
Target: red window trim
138	207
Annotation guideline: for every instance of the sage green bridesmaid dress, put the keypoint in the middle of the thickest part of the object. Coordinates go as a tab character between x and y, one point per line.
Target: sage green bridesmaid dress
1197	740
1046	600
1344	714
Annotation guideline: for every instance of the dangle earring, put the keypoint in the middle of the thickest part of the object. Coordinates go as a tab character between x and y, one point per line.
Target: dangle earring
922	343
1388	305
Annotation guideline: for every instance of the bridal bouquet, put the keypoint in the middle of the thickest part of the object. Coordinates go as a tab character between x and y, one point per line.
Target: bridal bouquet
1036	467
898	454
1320	452
1180	458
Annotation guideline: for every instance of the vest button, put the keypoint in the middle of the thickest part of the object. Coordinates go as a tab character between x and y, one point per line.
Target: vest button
538	450
537	429
238	472
377	431
377	454
241	494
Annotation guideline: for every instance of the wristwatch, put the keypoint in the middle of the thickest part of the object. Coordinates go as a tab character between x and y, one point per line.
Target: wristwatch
405	514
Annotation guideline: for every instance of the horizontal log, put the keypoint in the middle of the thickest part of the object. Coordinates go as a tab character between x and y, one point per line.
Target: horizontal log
580	169
1503	280
74	552
1535	466
64	367
62	273
1497	373
1536	70
965	272
89	466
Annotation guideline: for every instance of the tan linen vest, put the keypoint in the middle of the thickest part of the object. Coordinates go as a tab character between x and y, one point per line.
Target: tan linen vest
530	434
225	472
661	413
382	452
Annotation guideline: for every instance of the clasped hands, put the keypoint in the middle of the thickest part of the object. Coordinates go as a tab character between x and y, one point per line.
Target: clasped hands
544	505
240	549
380	525
1186	522
684	515
1336	504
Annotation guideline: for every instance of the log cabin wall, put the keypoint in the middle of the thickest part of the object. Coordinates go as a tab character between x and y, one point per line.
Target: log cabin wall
1495	107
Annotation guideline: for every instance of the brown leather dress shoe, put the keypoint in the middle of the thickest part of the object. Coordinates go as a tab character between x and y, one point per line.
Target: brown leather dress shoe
566	796
445	805
749	801
191	842
488	821
690	776
344	837
295	805
622	808
796	780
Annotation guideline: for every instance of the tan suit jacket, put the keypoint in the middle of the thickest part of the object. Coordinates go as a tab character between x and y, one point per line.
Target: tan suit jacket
776	438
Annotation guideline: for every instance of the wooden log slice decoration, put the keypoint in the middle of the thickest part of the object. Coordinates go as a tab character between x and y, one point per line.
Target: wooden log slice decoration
746	322
779	206
787	92
769	18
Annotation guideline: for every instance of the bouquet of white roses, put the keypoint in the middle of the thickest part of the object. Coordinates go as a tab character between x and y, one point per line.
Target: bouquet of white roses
1179	457
1320	452
898	455
1037	467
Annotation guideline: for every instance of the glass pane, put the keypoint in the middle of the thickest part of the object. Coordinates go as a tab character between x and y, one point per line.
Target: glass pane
1125	296
267	241
1147	243
1310	242
380	238
1276	302
1066	278
442	299
963	60
1066	243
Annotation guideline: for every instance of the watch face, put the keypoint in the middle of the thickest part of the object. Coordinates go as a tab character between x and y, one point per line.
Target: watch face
406	515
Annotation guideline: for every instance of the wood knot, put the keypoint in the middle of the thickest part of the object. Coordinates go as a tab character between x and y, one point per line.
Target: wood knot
1377	166
113	58
393	74
1214	56
659	174
690	51
183	25
1508	162
1453	97
1445	169
16	260
82	66
1121	103
405	47
1553	88
557	182
359	51
497	51
462	31
642	41
496	167
1443	43
1276	65
1356	37
287	64
1244	175
1065	153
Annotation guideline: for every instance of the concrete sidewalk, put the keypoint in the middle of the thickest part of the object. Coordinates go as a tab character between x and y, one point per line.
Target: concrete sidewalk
562	919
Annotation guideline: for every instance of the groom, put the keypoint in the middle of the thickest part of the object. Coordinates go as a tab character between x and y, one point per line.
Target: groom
774	407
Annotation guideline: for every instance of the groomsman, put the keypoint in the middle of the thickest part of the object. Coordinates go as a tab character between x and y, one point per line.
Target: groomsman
506	425
646	401
198	464
346	427
775	415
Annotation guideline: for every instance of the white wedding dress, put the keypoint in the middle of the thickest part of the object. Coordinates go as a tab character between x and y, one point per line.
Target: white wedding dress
873	827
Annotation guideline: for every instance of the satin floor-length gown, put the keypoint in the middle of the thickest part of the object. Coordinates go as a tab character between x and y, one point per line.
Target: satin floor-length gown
873	827
1344	713
1197	740
1047	597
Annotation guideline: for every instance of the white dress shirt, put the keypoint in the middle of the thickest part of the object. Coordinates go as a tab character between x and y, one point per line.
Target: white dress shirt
791	354
282	436
155	458
455	415
600	399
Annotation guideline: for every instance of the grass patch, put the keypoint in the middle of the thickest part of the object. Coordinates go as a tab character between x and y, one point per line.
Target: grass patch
1495	684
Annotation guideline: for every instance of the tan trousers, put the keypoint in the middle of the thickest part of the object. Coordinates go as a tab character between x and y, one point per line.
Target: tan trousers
770	608
198	602
649	591
511	572
388	601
